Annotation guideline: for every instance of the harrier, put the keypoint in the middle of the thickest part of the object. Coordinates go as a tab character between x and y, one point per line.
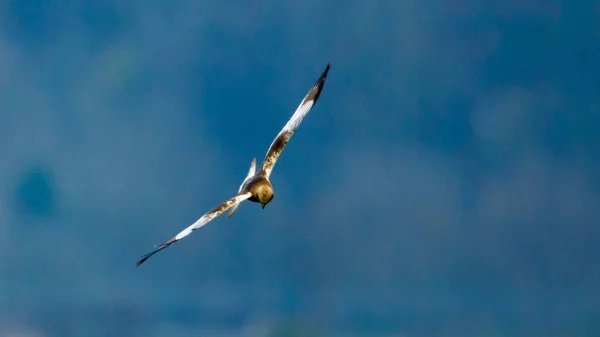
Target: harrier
256	186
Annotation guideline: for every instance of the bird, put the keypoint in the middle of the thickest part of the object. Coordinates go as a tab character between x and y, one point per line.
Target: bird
256	187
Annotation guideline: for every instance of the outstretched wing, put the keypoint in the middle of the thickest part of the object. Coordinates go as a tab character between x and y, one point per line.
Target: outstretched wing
206	218
250	174
290	127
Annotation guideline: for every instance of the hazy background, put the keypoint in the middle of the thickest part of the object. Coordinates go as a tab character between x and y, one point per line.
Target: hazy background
446	183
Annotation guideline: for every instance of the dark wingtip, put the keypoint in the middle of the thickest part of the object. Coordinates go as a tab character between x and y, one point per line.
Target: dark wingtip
324	74
315	92
144	258
147	256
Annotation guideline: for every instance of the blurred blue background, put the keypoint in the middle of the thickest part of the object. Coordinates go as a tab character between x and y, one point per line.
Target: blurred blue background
446	183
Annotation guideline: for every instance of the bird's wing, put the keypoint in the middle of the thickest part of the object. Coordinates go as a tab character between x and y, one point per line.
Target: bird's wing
290	127
206	218
250	174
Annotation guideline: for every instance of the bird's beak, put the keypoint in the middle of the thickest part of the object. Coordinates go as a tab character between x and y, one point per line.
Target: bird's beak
263	206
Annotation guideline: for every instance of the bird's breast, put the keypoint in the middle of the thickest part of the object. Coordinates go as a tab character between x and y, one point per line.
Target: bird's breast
260	188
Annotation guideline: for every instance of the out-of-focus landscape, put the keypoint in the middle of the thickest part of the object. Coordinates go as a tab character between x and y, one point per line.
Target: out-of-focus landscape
446	183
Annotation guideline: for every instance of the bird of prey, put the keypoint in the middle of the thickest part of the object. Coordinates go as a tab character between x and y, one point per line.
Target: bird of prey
256	186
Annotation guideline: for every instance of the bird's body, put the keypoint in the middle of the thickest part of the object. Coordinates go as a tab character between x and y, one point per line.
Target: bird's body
261	189
256	187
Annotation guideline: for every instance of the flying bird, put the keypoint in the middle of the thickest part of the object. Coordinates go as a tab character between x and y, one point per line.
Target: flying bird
256	187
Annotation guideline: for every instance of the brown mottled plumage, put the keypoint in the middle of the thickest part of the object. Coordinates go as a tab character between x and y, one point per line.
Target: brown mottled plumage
256	187
261	189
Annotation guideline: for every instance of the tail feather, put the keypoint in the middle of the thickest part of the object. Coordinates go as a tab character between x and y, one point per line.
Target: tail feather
252	169
233	209
251	172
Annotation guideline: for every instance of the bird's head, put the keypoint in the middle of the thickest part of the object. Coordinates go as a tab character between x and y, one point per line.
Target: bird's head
265	195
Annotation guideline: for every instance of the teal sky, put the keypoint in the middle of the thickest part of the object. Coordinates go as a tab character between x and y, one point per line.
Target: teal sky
446	183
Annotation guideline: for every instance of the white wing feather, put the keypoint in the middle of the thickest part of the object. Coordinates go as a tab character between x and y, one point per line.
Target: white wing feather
206	218
297	117
250	174
283	137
